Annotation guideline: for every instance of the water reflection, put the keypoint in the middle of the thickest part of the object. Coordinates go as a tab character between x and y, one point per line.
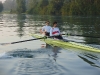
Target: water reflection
21	22
86	26
55	51
79	25
37	61
1	18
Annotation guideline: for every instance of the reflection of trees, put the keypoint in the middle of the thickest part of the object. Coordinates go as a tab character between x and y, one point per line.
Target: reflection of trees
21	20
71	25
91	28
39	21
86	26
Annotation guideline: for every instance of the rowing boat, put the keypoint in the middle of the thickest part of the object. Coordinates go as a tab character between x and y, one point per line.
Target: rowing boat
63	44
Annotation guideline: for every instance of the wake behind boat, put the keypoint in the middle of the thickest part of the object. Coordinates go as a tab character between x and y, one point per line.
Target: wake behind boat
64	44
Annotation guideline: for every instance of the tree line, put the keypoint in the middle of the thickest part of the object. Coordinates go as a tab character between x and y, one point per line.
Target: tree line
58	7
1	6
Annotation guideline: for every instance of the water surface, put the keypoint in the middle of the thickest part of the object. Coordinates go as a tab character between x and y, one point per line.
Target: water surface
37	58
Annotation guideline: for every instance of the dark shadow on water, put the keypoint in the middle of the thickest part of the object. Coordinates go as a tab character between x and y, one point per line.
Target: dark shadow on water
27	53
55	50
31	53
90	59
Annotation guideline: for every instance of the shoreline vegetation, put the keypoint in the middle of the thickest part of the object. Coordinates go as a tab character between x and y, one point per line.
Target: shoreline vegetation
56	7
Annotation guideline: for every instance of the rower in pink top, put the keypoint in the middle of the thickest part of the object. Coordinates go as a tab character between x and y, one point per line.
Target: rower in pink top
55	32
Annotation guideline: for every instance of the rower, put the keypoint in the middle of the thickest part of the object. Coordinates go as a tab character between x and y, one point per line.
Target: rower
46	29
55	32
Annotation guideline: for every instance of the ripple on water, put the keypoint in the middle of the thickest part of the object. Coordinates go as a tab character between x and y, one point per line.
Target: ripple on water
36	67
28	53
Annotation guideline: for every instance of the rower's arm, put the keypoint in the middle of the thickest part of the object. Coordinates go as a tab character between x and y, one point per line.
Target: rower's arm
43	29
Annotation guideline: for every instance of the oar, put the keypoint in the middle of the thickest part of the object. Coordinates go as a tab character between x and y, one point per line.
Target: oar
81	35
32	40
23	41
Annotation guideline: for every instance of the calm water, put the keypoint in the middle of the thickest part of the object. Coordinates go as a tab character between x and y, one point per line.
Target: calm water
37	58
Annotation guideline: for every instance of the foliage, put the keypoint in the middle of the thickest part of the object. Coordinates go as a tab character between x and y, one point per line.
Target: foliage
1	6
31	6
58	7
55	6
21	6
81	7
66	7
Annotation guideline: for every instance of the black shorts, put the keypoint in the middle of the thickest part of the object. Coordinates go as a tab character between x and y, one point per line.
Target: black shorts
47	34
58	37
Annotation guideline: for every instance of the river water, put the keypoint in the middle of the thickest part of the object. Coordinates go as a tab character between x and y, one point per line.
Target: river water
38	58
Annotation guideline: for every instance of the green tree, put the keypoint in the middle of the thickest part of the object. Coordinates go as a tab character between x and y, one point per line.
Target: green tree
42	6
81	7
1	7
32	7
21	6
97	7
59	7
55	6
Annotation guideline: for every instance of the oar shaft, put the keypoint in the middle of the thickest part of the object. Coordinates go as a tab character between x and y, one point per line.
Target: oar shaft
25	40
